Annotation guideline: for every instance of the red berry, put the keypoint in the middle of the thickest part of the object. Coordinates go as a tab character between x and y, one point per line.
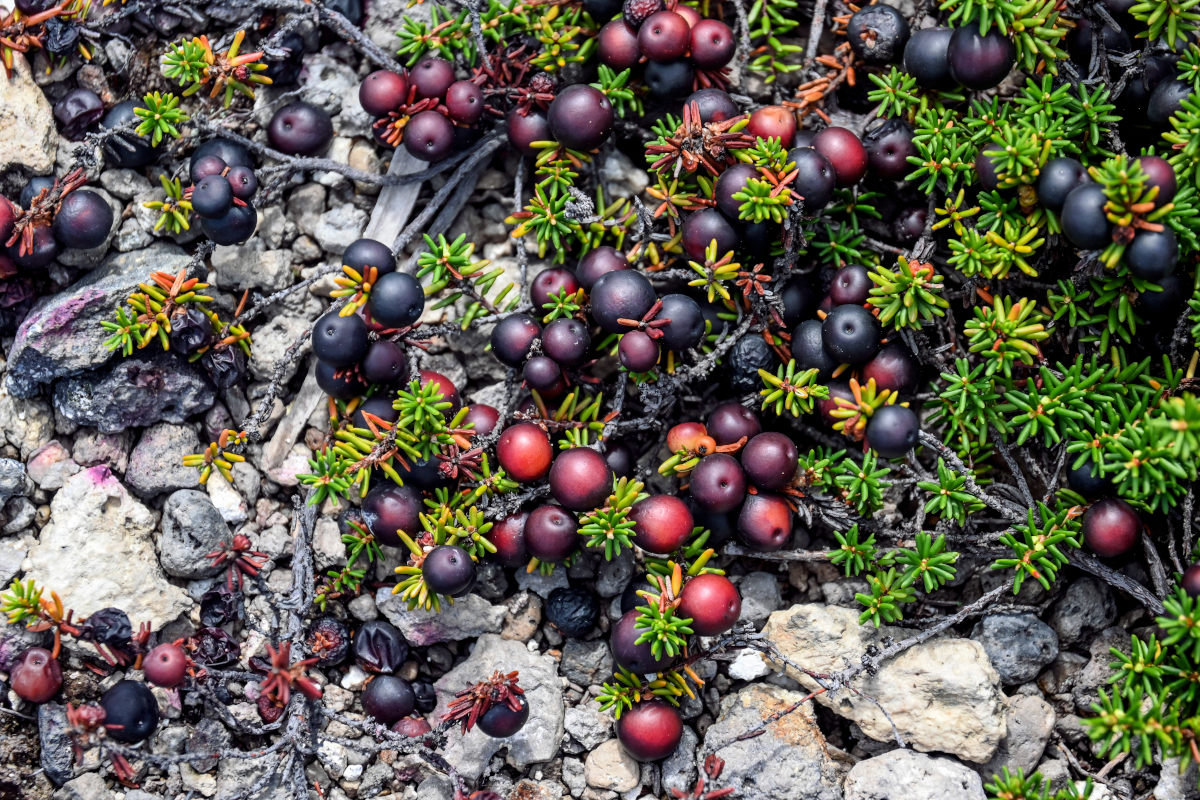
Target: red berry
552	282
429	136
650	730
482	417
432	76
524	452
464	101
712	43
638	352
712	603
165	665
773	121
1111	527
412	727
661	523
525	129
580	479
765	522
664	36
627	652
444	385
845	152
508	537
690	436
37	676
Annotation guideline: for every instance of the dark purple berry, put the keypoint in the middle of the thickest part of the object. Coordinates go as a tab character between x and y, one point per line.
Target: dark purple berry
637	658
599	261
893	431
617	46
715	105
340	341
234	227
212	197
464	100
574	611
769	460
888	149
686	327
448	570
718	483
397	300
525	129
383	91
851	285
1152	254
243	182
190	331
705	227
878	34
380	647
730	421
1111	527
712	44
1162	175
729	183
800	300
637	352
508	537
300	129
566	341
364	253
513	338
815	178
77	111
664	36
851	334
213	647
127	150
228	151
385	364
669	79
83	220
625	294
1057	179
500	721
980	61
389	509
388	698
892	368
429	136
337	382
130	712
551	533
581	117
544	375
1084	221
636	12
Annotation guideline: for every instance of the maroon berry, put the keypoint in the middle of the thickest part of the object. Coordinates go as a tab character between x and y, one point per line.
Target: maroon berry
888	148
389	509
712	44
500	721
551	533
1160	174
328	640
599	262
412	727
581	117
661	523
712	603
718	483
617	46
851	285
165	665
765	522
524	452
691	15
730	421
650	730
544	375
845	152
432	76
525	129
714	104
705	227
769	460
729	183
383	91
76	112
429	136
580	479
482	418
1190	582
892	368
550	283
773	122
664	36
637	352
449	570
388	698
36	676
464	101
1111	527
637	658
508	537
638	11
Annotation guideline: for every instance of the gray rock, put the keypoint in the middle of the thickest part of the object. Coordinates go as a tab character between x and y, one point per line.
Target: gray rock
88	786
305	205
57	758
112	449
1176	784
613	576
572	776
588	725
99	541
26	115
789	761
63	336
610	767
191	528
760	597
249	267
943	695
679	768
12	555
124	184
156	463
1019	645
1098	670
1085	608
136	391
339	227
14	482
586	663
905	775
539	739
1030	720
542	585
467	618
27	423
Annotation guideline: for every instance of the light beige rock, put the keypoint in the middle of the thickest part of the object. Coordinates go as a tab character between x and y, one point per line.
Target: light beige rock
98	550
943	695
26	114
610	767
